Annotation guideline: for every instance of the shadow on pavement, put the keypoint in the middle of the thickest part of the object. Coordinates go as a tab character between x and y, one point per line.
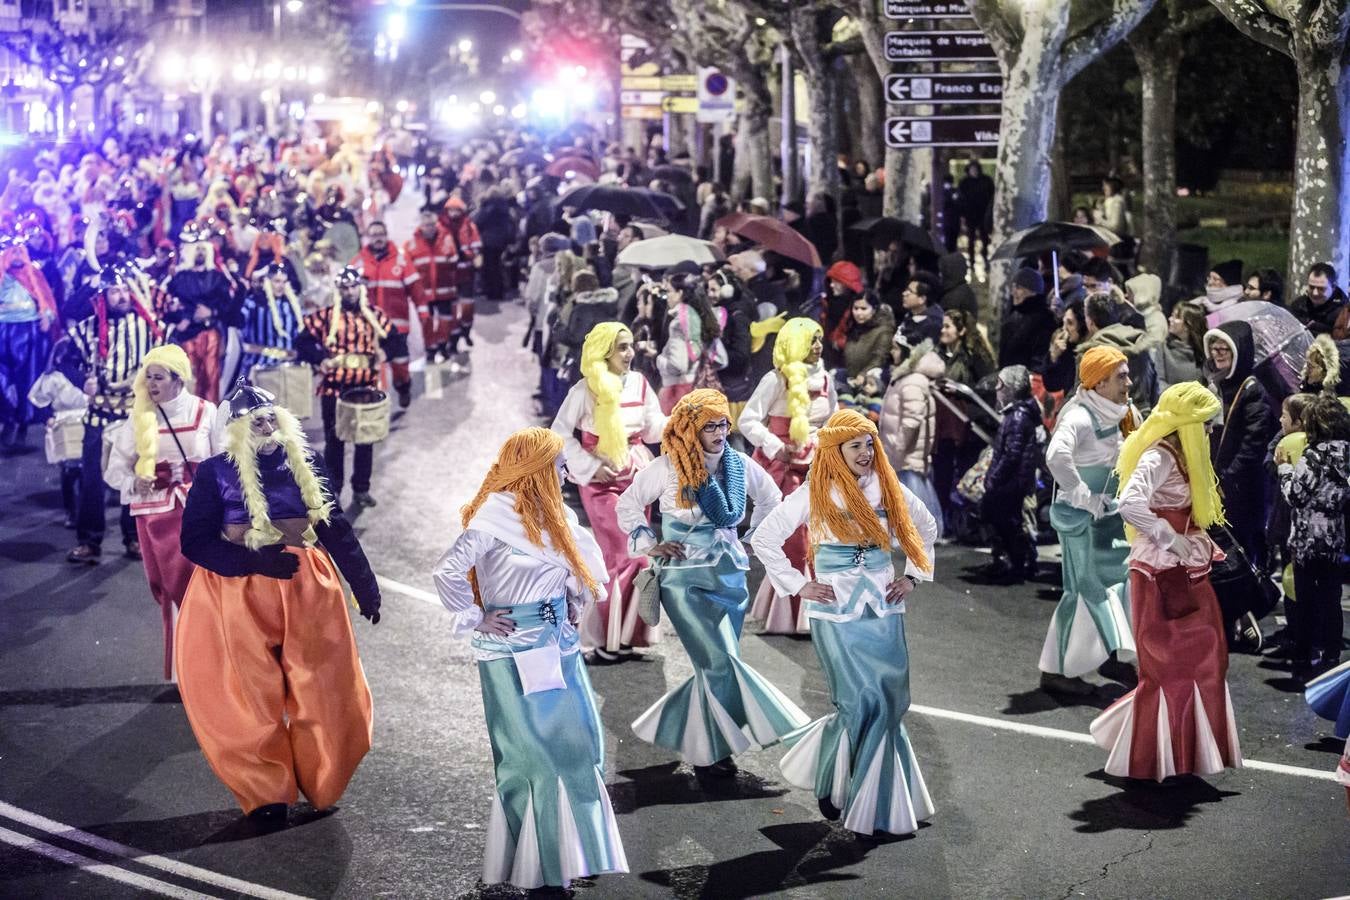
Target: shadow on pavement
1327	744
1145	806
1038	701
809	853
667	784
64	698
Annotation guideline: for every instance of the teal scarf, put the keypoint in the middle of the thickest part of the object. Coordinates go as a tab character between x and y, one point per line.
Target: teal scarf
722	499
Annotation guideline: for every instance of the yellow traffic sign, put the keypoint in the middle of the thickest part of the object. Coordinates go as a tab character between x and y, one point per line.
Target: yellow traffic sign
679	83
640	112
680	105
640	83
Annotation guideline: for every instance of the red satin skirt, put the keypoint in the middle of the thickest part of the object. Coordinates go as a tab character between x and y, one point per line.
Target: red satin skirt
272	684
204	353
783	614
166	568
613	621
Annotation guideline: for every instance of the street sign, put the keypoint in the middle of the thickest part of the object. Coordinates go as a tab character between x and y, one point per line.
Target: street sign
680	105
641	98
679	84
937	46
927	9
640	83
942	131
716	97
640	112
974	87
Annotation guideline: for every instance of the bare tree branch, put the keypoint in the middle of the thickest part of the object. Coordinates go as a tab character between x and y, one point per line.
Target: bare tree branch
1257	23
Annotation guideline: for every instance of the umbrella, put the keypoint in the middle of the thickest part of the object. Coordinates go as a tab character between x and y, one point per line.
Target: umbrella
567	166
774	235
884	229
1054	236
523	156
634	202
1280	338
673	173
664	252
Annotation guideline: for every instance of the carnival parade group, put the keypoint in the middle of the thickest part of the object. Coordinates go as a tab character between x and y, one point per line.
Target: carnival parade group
164	325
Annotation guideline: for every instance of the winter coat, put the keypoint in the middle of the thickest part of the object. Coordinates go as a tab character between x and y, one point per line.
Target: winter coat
1175	362
1146	289
909	413
1017	450
738	381
1249	417
1319	319
1024	335
495	221
927	327
956	291
1134	343
965	369
869	345
582	312
1317	491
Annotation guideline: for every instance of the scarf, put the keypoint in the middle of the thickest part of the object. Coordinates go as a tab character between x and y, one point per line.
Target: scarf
722	496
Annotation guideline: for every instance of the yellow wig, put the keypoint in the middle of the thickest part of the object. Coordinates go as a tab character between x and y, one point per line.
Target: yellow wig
606	387
293	300
525	468
144	412
1182	409
789	358
857	522
241	450
335	318
680	440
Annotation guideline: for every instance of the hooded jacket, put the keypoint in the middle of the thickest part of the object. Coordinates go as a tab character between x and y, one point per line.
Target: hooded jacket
956	292
1134	343
1146	289
1317	491
868	345
1016	453
909	412
1249	418
1024	336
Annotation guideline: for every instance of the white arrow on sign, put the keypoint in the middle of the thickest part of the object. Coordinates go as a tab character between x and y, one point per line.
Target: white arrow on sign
899	88
900	132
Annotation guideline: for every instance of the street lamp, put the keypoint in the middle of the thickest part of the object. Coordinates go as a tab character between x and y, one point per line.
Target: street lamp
294	6
516	54
465	45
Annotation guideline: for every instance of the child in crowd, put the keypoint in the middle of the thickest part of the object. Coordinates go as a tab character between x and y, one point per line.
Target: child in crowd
64	429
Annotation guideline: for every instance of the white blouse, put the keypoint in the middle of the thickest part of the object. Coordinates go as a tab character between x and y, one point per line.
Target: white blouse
658	482
1076	443
794	512
641	414
197	428
770	399
1158	483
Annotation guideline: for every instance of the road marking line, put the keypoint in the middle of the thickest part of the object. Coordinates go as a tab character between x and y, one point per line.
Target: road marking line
142	882
1058	734
154	861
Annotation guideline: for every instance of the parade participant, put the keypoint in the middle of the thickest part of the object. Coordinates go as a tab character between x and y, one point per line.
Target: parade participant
605	420
272	316
153	459
345	341
1179	719
396	291
27	313
267	663
109	347
780	420
517	580
858	759
455	219
433	251
1091	625
701	485
202	294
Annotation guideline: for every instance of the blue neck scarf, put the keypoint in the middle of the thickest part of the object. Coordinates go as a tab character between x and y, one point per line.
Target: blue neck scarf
722	498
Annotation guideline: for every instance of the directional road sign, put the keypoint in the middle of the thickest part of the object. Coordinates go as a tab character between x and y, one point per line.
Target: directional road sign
926	9
937	46
680	105
942	131
974	87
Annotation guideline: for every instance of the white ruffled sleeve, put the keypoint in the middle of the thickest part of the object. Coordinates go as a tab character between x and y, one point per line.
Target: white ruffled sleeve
773	533
926	525
631	510
753	421
452	580
581	465
1153	468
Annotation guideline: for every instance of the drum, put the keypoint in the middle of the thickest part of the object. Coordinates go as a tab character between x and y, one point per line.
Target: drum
362	416
64	441
291	383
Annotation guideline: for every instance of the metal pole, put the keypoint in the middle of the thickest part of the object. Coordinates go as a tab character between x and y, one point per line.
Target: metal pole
788	148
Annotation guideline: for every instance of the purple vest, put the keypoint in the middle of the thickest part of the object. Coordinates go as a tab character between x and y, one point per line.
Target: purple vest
279	487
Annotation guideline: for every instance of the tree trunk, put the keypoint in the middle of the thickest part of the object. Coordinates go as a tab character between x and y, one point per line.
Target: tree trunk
1061	189
871	107
741	188
759	144
907	174
822	176
1320	224
1159	59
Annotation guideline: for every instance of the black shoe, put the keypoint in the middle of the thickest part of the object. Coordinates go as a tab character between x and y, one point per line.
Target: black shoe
1000	571
404	395
599	657
1248	638
723	768
1115	670
829	810
362	499
132	550
1054	683
267	819
431	357
85	553
1030	570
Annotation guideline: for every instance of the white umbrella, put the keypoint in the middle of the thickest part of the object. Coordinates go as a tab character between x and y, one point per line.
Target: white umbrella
667	250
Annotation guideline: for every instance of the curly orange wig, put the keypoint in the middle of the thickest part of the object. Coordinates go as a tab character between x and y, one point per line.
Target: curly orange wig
525	468
857	522
680	440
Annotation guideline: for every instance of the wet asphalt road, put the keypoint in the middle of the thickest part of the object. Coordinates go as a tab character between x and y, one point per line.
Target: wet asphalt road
91	739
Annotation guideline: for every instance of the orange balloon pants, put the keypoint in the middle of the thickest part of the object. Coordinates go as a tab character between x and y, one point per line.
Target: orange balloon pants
272	684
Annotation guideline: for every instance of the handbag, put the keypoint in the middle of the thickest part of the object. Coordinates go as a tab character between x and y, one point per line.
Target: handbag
647	589
540	669
1237	583
971	485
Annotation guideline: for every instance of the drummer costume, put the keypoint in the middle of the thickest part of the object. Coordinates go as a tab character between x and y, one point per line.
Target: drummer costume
608	419
109	347
193	286
524	552
436	259
1092	620
163	443
1179	719
267	664
857	759
270	323
726	707
787	407
353	334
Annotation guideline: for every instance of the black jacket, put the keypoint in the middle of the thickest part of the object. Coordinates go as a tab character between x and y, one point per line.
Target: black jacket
738	380
956	291
1024	336
1017	451
1319	319
1250	419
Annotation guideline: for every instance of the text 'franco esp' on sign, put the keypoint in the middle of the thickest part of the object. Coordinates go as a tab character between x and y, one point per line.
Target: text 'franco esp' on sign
942	131
937	46
973	87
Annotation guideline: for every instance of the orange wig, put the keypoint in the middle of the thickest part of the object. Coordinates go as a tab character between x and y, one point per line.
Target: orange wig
680	439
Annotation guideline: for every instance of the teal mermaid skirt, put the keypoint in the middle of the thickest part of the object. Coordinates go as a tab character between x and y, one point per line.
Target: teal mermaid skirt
859	756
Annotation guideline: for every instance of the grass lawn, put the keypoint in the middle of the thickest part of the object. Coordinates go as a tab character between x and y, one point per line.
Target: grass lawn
1258	248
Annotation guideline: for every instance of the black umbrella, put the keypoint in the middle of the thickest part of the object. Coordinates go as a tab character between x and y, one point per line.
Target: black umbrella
523	156
673	173
884	229
634	202
1054	237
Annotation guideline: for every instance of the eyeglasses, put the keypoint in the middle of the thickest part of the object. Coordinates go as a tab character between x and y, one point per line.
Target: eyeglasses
717	427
